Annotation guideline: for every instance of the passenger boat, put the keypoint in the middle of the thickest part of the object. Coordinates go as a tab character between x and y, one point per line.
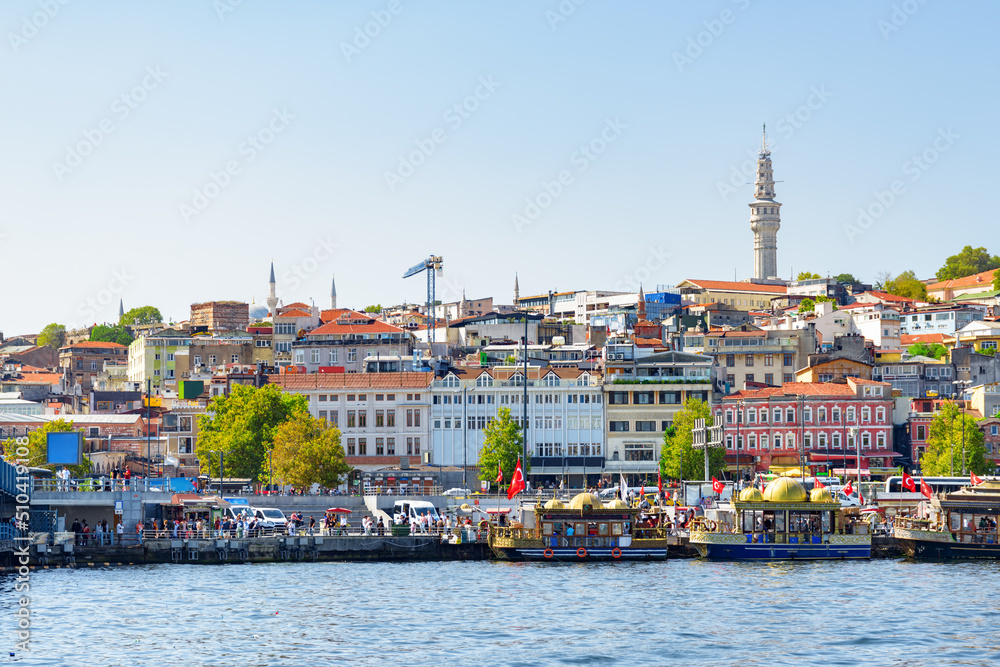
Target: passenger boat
965	527
784	523
584	530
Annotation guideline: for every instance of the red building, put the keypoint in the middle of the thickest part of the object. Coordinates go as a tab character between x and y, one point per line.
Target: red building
774	427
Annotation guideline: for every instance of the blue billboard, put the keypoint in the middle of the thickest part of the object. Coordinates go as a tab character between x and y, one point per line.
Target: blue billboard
64	448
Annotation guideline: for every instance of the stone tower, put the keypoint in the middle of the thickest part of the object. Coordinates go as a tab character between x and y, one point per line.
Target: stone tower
765	220
272	298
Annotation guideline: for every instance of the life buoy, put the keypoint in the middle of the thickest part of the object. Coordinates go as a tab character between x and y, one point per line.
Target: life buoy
548	553
581	552
616	553
710	525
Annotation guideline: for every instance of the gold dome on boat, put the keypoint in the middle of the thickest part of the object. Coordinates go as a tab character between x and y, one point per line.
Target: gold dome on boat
751	494
819	495
582	499
554	504
617	504
785	490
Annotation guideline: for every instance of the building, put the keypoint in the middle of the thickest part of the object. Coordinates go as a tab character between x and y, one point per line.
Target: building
765	218
565	438
741	295
829	322
991	438
947	290
939	318
983	335
83	361
917	376
810	424
170	355
347	341
878	323
263	337
768	357
384	418
220	316
290	323
985	399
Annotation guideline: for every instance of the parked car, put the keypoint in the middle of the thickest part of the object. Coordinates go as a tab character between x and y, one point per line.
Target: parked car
457	492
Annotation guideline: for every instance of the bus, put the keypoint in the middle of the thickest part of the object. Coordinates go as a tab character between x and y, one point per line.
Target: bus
937	484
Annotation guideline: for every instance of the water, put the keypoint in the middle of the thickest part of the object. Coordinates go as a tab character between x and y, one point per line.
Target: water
668	613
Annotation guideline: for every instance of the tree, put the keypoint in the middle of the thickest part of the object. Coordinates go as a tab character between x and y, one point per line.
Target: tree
501	448
807	306
907	286
53	335
808	275
242	425
38	450
141	315
881	278
678	459
934	350
847	278
375	308
968	262
307	451
996	279
944	445
111	333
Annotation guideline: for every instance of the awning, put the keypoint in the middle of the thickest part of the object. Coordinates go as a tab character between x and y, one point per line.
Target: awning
816	456
502	510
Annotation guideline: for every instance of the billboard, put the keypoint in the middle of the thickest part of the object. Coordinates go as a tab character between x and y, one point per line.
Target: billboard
64	448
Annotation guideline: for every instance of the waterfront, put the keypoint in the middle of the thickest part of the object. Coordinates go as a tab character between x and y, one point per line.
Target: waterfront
486	613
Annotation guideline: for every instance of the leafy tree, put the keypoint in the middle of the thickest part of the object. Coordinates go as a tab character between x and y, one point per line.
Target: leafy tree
678	459
968	262
906	285
242	425
934	350
988	351
808	275
944	445
141	315
112	333
847	278
307	451
881	278
53	335
996	279
501	448
807	306
375	308
38	450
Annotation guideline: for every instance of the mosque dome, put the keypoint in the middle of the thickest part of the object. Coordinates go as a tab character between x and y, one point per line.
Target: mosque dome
258	312
582	499
751	495
785	490
554	504
617	504
819	495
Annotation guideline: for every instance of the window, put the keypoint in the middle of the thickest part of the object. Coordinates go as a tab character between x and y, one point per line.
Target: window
729	416
866	414
880	440
790	415
788	360
211	359
409	418
730	360
379	418
749	361
197	360
314	356
618	426
822	440
850	414
93	365
769	378
390	418
334	356
922	432
351	418
300	356
866	440
763	415
751	416
807	415
750	377
351	447
777	415
753	440
363	446
362	418
731	380
390	446
807	441
352	355
777	441
836	415
769	359
645	426
379	446
787	378
821	414
409	445
416	446
643	397
790	441
618	398
880	415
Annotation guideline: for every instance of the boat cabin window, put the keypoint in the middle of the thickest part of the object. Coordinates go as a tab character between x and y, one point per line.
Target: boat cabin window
592	528
774	522
581	529
602	529
616	529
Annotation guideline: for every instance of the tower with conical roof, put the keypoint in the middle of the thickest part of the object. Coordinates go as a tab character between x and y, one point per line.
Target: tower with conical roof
517	291
333	293
765	219
642	305
272	297
121	309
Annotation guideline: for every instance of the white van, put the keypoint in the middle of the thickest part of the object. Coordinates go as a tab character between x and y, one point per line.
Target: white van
270	517
403	511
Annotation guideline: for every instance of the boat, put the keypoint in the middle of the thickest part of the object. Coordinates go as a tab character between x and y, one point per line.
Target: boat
585	529
784	523
965	526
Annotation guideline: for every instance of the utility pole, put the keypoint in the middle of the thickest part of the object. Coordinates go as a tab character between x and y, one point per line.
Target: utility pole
465	445
524	443
149	402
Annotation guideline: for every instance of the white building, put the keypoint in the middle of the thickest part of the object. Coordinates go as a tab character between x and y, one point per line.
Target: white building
877	323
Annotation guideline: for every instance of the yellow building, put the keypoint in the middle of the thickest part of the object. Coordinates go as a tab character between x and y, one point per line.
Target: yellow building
743	296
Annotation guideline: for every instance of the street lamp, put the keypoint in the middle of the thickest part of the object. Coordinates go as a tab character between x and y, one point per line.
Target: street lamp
962	385
739	412
465	431
857	444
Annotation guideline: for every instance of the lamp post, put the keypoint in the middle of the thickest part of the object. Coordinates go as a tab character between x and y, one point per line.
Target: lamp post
962	385
951	437
857	445
739	413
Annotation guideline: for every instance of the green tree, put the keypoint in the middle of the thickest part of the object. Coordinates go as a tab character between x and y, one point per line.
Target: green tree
678	459
374	308
807	306
242	425
944	445
141	315
502	444
996	279
307	451
53	335
907	286
111	333
38	450
847	278
968	262
808	275
934	350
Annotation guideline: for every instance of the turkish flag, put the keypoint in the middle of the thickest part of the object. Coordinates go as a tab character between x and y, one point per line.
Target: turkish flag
926	489
849	489
975	480
717	486
516	482
819	485
499	475
909	484
861	498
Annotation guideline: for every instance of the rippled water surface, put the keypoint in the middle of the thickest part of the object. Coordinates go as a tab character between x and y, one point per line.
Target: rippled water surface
673	613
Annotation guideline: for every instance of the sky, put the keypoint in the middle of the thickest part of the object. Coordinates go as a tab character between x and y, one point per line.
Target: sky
164	153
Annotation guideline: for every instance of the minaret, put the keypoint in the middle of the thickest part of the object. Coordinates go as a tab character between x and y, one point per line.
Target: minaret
463	307
517	292
272	298
764	217
642	305
333	293
121	309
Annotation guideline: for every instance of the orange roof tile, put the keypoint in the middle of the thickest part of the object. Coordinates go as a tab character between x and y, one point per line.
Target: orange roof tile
341	326
730	286
295	313
92	344
402	380
985	278
912	339
885	296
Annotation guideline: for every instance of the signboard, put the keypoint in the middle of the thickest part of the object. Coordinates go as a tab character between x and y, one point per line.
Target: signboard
484	486
64	448
119	507
702	437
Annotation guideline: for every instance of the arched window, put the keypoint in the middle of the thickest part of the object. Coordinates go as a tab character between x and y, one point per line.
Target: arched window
484	380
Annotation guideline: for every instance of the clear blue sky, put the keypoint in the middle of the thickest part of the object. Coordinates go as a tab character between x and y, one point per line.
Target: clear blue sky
339	112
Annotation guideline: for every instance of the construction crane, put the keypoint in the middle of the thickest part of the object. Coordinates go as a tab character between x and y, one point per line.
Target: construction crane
432	265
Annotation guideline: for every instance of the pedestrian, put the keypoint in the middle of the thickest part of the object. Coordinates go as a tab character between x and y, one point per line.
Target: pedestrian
138	530
120	529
